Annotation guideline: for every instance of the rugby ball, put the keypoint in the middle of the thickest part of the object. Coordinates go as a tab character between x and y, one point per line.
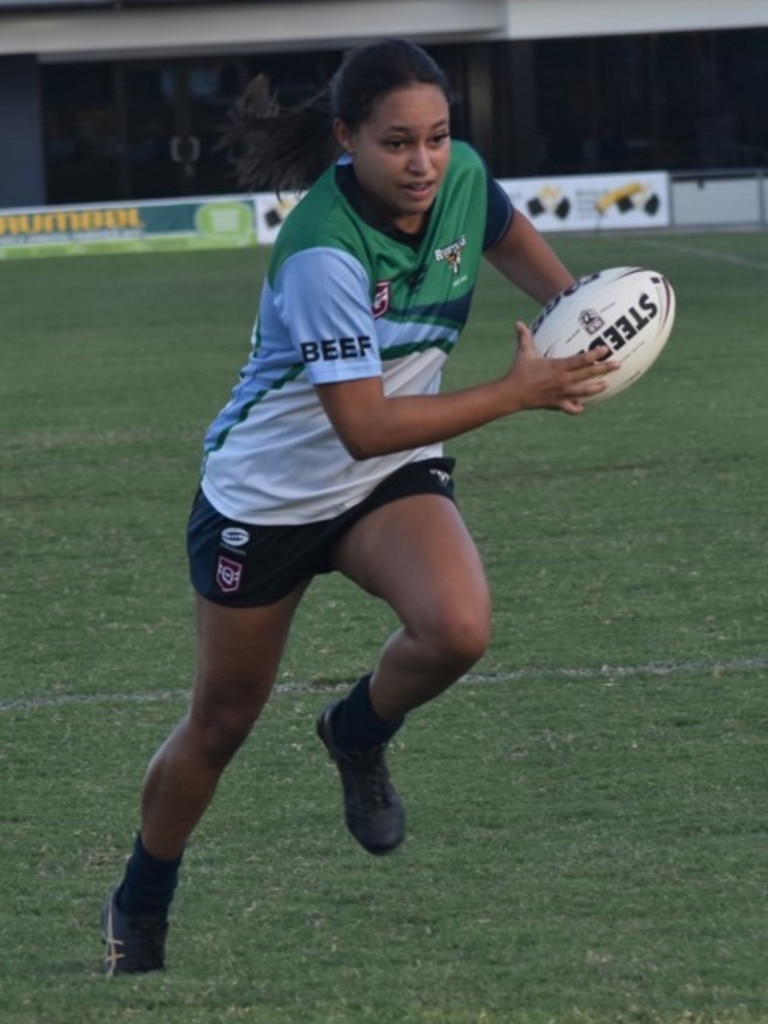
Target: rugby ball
630	310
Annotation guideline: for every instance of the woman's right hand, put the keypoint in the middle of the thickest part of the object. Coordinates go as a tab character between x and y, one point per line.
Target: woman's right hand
536	382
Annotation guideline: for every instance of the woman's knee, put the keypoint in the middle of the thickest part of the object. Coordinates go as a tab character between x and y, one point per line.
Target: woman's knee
222	729
457	632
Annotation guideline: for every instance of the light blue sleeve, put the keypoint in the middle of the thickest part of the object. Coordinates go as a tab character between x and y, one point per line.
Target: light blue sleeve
322	297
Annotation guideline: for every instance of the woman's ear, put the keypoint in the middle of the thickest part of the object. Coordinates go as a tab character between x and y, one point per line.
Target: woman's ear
343	135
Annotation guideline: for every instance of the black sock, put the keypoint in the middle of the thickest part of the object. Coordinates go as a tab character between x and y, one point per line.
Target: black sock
149	883
356	726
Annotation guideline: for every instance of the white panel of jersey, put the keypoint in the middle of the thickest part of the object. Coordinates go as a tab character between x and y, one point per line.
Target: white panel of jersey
272	456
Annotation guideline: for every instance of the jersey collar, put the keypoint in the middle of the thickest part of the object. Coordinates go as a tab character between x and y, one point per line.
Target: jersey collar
367	212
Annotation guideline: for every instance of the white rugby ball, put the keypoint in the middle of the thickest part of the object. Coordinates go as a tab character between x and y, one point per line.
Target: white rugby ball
630	310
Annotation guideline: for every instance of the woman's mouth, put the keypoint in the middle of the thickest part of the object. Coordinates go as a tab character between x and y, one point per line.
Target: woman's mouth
420	189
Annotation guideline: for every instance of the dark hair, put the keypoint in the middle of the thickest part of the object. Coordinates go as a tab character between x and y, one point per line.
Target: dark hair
286	150
369	72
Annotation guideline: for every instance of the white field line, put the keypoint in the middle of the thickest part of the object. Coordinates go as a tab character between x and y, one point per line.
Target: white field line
605	673
706	254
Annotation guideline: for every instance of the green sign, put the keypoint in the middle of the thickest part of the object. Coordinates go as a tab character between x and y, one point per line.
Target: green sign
224	222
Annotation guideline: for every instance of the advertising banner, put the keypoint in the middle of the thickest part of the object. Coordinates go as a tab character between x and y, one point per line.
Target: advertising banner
593	202
203	223
577	203
271	211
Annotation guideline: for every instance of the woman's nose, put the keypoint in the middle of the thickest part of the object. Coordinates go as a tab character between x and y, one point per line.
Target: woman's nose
419	159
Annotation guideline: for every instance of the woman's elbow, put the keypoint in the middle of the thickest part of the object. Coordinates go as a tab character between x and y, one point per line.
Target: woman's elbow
361	450
363	445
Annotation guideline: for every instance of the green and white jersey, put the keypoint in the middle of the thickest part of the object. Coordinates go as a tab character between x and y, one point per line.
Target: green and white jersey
346	297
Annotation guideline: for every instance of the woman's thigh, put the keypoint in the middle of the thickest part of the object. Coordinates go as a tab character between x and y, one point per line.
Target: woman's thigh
417	554
238	654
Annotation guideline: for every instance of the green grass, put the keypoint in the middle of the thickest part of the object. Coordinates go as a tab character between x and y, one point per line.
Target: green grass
587	810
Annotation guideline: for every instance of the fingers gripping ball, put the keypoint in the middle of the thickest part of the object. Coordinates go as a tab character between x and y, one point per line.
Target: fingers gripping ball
628	309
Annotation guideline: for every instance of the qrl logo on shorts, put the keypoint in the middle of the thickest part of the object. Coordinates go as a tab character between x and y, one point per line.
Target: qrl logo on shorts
229	575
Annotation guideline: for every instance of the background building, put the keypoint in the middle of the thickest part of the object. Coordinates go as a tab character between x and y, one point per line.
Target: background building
105	100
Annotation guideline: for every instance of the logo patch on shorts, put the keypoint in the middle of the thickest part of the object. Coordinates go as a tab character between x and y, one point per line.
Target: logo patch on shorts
235	537
442	476
229	575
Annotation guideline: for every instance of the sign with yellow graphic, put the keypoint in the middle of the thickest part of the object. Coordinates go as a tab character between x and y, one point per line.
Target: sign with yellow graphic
593	202
215	222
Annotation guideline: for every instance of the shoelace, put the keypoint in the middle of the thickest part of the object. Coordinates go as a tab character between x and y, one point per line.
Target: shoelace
378	787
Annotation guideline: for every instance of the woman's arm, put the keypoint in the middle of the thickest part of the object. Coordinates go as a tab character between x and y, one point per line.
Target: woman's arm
526	259
369	423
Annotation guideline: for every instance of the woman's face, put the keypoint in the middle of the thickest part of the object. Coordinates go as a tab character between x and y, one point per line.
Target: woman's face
400	154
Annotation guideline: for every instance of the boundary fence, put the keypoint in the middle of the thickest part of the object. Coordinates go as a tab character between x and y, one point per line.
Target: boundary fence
579	203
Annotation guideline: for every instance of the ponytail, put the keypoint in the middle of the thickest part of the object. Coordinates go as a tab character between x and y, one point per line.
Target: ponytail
279	150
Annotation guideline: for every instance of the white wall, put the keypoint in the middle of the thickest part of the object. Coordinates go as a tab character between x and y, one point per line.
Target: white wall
229	28
717	202
542	19
223	27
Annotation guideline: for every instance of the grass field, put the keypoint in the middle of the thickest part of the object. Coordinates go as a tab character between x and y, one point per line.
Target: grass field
588	815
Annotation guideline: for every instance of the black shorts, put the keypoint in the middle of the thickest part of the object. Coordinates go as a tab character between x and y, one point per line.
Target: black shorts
243	565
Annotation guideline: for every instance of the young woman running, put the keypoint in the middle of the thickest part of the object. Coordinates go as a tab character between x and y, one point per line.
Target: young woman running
329	453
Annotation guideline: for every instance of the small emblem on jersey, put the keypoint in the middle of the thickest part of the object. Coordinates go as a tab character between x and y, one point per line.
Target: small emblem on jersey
591	321
451	254
229	575
235	537
381	299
